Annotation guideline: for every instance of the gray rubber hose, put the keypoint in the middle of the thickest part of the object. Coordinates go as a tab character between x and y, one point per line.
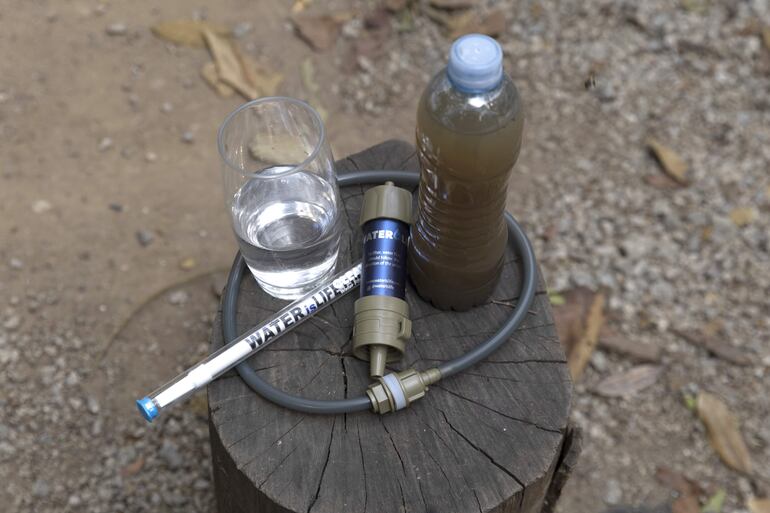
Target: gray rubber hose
516	238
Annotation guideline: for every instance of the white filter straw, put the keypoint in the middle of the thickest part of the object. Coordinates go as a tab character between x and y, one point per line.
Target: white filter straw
234	353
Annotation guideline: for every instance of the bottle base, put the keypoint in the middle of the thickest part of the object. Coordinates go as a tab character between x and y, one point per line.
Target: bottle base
455	297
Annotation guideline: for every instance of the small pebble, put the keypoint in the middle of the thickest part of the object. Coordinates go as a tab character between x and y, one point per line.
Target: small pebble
116	207
662	292
41	206
605	92
613	493
241	29
145	237
15	263
93	405
599	361
116	29
178	297
201	484
97	426
167	107
6	450
174	499
105	144
150	156
12	323
169	453
188	137
582	279
41	489
72	379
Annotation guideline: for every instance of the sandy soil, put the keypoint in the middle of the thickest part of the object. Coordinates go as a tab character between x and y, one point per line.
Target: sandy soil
92	152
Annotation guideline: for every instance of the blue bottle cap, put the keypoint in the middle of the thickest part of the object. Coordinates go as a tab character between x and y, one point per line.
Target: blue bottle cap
147	408
475	63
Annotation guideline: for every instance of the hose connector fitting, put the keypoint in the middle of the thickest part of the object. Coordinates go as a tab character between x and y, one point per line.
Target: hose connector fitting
397	390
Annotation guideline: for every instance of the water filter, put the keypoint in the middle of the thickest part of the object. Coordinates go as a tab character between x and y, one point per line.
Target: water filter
382	326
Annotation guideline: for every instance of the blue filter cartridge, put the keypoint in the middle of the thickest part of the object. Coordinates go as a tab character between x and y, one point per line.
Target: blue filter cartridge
382	327
384	260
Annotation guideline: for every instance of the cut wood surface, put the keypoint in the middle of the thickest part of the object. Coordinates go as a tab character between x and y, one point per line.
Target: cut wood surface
489	439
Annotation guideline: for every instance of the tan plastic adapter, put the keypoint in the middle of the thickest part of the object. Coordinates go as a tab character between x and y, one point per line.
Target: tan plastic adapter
398	390
381	330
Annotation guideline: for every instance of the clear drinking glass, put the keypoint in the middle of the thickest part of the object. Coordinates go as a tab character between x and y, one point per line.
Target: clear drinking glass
281	191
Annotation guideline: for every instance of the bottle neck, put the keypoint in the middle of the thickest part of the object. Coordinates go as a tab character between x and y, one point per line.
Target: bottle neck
469	89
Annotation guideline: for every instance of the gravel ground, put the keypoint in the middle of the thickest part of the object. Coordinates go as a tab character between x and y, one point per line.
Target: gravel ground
598	79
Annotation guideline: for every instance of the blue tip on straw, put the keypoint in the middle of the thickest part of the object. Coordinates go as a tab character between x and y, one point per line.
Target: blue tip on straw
147	408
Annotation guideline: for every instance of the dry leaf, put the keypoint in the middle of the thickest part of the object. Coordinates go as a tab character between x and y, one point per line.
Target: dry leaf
676	481
320	32
492	24
629	382
187	264
228	64
457	23
450	21
685	504
133	467
377	20
724	432
578	322
695	5
281	151
453	4
713	327
307	73
715	503
742	216
395	5
187	32
556	299
264	80
673	165
688	490
759	505
709	339
371	44
766	37
684	46
633	349
662	182
299	6
209	74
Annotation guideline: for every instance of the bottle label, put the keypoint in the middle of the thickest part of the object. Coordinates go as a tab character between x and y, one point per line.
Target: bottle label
384	259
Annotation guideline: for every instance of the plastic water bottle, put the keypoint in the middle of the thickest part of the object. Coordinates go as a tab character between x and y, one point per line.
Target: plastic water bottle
469	125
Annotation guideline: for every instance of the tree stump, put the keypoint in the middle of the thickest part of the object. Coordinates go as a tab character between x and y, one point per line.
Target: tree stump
494	438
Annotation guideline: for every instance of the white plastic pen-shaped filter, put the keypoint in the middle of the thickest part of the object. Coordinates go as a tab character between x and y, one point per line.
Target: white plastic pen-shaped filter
235	352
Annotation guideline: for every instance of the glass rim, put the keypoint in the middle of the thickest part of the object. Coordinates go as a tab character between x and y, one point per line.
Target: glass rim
272	99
